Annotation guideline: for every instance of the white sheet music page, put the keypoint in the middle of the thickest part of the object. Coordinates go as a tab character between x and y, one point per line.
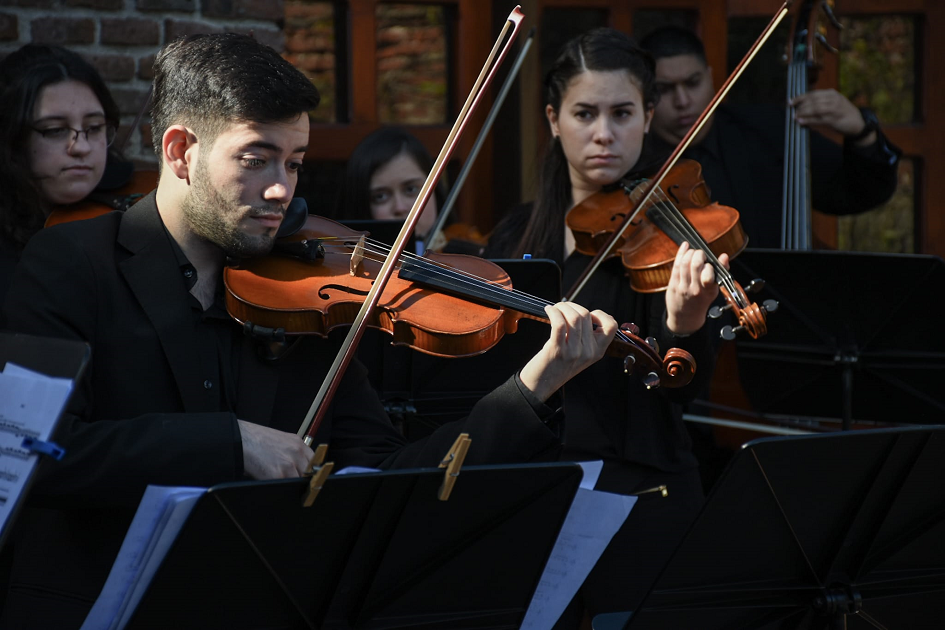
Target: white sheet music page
160	517
30	404
591	522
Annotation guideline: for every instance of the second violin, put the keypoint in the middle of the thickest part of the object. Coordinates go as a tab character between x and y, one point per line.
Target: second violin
679	210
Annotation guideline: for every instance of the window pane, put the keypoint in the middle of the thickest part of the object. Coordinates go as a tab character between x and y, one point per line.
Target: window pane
877	65
412	64
310	47
648	20
889	228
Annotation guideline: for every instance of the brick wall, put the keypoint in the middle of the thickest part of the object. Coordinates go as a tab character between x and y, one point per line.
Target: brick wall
121	37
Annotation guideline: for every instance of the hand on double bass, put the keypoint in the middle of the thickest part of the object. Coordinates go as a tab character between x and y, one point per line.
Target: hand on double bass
691	290
578	339
831	109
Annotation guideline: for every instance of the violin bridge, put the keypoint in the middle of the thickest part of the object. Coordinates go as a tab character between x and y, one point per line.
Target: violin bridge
356	257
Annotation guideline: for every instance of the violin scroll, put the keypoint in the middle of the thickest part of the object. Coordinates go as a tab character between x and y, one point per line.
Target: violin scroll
751	318
675	369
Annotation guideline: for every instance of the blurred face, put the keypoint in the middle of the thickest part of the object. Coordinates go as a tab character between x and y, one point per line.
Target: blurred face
394	189
242	184
685	85
601	125
66	166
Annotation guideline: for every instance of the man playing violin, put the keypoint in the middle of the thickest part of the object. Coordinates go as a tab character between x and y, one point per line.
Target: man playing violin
741	148
176	393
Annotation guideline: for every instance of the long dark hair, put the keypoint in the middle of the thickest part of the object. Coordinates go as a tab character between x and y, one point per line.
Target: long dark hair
23	75
374	151
601	49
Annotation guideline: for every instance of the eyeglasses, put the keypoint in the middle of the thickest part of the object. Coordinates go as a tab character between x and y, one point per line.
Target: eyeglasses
68	135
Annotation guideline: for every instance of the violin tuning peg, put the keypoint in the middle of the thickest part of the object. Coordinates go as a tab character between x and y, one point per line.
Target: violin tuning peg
651	341
652	380
823	40
828	11
770	306
628	362
716	311
728	333
756	285
631	328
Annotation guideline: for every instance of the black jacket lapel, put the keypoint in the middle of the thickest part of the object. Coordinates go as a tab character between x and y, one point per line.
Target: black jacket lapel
152	273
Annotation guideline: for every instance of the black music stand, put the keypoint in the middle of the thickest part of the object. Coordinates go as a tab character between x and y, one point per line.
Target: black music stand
840	530
853	337
421	392
377	550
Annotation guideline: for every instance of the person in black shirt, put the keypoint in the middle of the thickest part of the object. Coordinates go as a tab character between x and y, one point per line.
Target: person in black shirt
741	148
175	392
600	94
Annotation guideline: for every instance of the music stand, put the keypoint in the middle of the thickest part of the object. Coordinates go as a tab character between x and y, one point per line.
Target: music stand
58	358
377	550
850	339
421	392
840	530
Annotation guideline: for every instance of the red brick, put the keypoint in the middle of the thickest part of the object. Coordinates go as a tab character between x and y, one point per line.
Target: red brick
114	67
33	4
174	29
166	5
9	26
62	31
129	100
146	68
242	9
105	5
130	31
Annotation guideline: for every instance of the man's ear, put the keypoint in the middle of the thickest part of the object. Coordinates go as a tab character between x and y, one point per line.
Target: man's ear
552	117
179	149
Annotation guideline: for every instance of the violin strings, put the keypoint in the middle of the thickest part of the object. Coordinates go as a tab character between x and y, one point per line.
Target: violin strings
513	298
380	250
685	228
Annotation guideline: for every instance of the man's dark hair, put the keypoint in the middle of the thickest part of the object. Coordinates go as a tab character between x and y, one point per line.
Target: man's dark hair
671	41
210	81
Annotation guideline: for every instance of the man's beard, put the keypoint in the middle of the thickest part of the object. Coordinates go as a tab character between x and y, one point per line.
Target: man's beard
207	211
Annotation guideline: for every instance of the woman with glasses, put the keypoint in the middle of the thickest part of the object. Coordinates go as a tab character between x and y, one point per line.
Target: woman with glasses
57	121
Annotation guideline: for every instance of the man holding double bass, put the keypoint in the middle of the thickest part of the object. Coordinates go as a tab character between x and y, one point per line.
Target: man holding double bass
176	393
741	148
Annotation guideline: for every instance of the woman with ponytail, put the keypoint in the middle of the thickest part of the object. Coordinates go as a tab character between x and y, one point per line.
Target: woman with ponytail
600	96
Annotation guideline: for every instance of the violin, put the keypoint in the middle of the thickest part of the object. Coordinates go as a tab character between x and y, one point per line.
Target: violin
678	210
103	202
447	305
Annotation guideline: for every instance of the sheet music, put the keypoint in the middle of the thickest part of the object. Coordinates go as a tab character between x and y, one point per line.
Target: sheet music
592	521
160	517
30	404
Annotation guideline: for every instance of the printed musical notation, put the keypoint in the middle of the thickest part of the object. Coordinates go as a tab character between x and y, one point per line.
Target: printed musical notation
30	404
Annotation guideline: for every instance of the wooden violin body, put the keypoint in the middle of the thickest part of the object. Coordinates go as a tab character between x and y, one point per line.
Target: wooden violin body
448	305
648	249
103	202
318	295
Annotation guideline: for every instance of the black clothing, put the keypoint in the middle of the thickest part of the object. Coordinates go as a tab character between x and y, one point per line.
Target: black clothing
159	406
638	433
742	158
